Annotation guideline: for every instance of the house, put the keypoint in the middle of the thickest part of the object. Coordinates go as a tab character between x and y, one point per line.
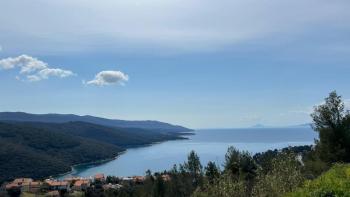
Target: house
32	187
127	178
12	186
139	179
112	186
20	181
99	177
166	177
58	185
72	179
81	185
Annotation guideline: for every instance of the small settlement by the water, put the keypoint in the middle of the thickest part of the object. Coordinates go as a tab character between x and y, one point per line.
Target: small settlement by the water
56	188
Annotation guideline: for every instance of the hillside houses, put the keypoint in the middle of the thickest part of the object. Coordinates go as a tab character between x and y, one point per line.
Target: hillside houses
57	185
81	185
54	187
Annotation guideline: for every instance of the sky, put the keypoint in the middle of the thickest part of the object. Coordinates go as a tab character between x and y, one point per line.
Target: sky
196	63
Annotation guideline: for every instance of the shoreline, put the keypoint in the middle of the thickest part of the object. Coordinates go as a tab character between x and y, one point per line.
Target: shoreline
58	176
95	163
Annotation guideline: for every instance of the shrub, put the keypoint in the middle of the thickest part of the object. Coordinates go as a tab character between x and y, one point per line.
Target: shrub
335	182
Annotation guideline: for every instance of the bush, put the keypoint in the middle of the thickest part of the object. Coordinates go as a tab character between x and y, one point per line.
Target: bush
284	177
335	182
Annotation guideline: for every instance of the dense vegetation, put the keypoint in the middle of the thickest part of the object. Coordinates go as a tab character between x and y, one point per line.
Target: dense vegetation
37	150
123	137
335	182
31	152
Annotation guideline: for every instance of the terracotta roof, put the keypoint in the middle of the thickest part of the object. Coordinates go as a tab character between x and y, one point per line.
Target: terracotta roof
57	183
139	178
99	176
11	185
73	179
81	182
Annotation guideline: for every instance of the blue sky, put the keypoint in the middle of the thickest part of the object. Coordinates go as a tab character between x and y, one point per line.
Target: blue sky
201	64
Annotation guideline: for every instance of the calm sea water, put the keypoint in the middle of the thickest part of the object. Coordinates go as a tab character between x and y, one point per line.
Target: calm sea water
211	145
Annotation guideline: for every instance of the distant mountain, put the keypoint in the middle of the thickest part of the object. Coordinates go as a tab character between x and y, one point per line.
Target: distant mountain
306	125
63	118
258	126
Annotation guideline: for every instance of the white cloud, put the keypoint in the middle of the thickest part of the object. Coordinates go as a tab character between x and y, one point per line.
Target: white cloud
33	68
109	77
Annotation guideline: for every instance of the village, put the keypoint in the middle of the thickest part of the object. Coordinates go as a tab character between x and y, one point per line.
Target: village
72	186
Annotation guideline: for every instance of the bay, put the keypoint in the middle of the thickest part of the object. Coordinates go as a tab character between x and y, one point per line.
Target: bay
210	144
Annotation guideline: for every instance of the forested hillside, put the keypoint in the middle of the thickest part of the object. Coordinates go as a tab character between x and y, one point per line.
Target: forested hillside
123	137
31	152
37	150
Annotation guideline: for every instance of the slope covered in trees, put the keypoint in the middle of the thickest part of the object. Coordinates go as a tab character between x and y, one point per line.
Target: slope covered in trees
31	152
37	150
123	137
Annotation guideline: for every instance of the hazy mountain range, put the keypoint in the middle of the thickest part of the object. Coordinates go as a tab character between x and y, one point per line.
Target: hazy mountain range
63	118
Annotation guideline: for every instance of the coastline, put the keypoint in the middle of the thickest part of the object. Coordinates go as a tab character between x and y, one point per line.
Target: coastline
98	162
58	176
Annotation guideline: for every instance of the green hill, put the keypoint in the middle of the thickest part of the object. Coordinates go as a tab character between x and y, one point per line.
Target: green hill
37	149
123	137
27	151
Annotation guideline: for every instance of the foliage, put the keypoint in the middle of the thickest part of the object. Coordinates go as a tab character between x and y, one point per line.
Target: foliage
38	153
194	167
226	186
212	172
335	182
240	165
122	137
332	123
285	175
37	150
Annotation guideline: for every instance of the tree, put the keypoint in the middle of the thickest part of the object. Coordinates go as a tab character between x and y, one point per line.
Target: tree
239	164
332	122
194	167
159	187
212	172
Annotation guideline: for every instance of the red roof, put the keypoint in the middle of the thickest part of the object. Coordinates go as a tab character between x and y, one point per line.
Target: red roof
99	176
57	183
81	182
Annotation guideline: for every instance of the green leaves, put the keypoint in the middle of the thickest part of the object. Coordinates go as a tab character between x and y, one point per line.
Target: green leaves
335	182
